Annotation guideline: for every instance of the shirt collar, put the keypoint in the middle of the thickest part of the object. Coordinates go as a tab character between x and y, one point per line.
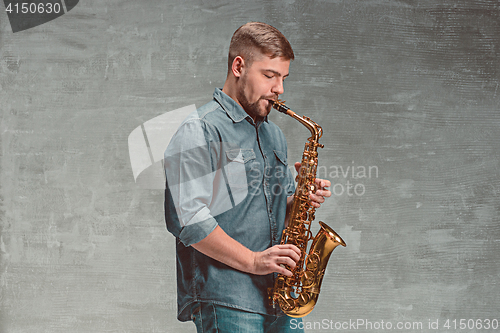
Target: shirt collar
232	108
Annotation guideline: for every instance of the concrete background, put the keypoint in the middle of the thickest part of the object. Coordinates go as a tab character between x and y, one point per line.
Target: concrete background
409	88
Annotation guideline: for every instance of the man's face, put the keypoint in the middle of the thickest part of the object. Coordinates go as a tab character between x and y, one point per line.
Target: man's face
260	82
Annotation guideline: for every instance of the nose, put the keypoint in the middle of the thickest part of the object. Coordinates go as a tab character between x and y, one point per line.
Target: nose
278	87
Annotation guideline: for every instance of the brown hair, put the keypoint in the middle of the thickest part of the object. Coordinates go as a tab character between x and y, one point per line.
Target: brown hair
256	37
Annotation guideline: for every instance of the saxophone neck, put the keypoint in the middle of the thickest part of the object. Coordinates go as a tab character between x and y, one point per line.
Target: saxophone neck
314	128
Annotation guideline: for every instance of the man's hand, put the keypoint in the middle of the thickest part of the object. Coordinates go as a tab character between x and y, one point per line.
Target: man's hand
270	260
220	246
319	197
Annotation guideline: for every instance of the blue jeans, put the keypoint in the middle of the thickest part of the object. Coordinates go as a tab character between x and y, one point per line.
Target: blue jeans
214	318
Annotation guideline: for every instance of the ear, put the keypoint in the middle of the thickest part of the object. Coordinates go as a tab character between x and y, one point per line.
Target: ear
238	66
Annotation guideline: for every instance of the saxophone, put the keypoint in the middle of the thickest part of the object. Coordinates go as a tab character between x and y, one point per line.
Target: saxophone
297	295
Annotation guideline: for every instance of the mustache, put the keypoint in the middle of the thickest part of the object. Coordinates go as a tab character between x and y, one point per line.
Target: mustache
272	98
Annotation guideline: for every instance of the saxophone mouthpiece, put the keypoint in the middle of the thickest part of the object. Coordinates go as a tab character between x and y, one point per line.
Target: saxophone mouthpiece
279	105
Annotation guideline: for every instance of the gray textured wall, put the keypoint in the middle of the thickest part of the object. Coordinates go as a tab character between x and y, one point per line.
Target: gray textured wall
409	88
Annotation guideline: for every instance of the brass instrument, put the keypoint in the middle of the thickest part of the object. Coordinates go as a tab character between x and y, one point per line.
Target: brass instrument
297	295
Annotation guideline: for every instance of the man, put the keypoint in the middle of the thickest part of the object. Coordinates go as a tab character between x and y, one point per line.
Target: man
228	189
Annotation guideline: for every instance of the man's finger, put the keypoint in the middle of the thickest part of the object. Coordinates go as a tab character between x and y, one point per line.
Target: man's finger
286	261
297	166
284	271
322	183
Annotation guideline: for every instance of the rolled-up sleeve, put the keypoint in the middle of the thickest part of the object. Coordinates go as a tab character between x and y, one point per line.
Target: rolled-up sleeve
190	174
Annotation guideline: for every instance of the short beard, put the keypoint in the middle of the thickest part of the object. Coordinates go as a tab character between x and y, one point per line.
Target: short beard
251	108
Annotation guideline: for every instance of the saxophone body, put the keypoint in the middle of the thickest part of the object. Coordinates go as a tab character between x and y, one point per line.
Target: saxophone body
297	295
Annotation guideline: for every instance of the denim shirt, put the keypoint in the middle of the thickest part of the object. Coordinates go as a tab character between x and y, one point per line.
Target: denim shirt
223	169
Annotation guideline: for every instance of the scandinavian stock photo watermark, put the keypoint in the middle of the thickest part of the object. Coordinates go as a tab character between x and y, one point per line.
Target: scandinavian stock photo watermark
148	142
359	324
353	174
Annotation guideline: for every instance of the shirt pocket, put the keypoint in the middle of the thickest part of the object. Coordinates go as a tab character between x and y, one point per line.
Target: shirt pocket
236	168
280	156
281	172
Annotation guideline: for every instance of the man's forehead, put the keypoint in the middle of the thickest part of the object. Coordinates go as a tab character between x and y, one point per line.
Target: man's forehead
277	65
